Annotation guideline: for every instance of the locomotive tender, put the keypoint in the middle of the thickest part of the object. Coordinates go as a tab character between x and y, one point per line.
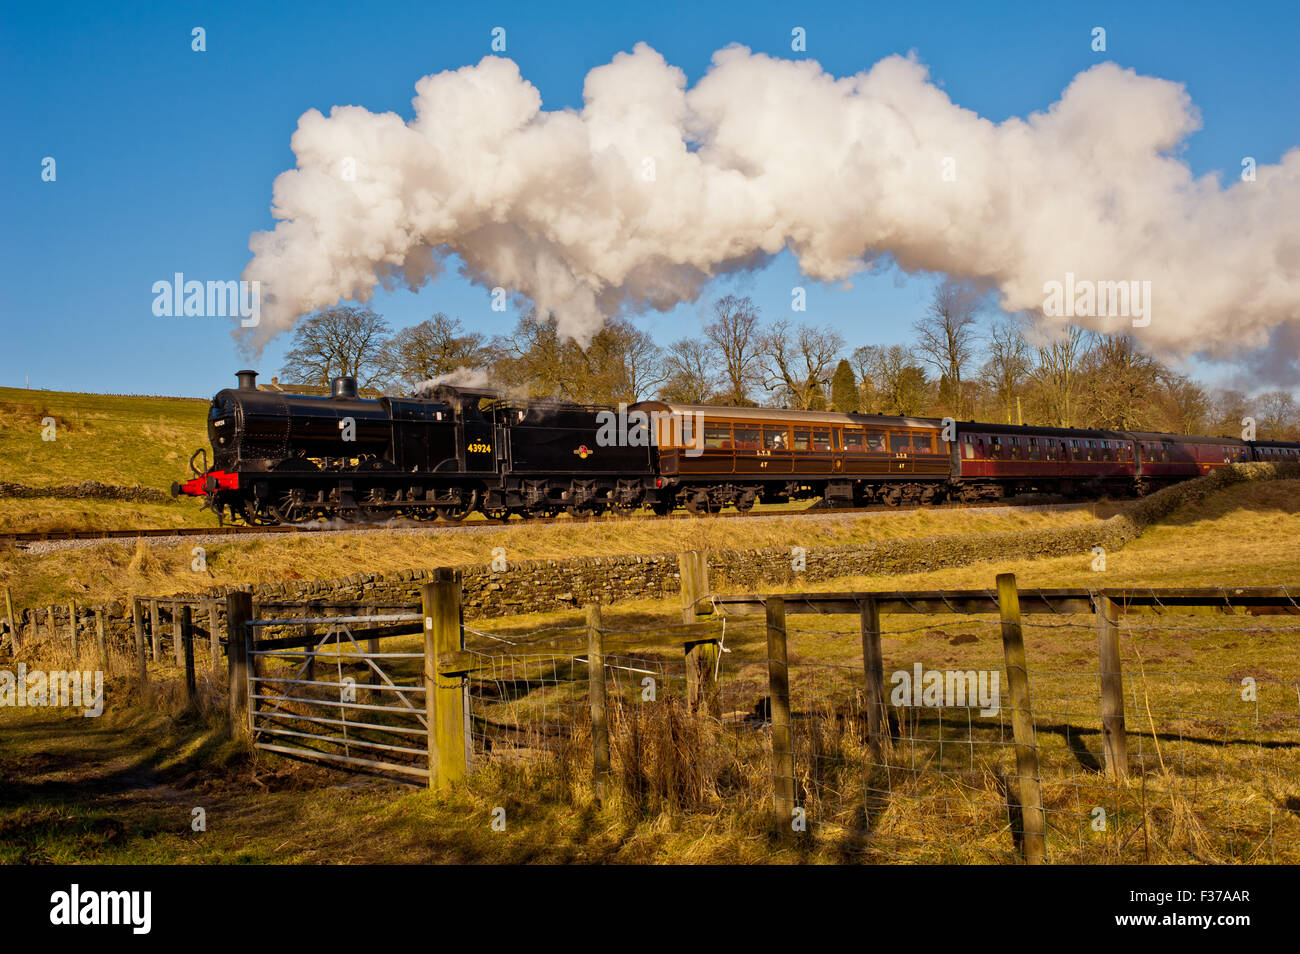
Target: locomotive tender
281	458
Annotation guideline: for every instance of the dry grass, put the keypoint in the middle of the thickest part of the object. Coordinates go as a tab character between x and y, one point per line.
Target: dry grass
112	569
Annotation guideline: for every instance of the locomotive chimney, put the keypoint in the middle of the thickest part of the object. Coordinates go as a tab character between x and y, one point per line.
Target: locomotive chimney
247	380
344	386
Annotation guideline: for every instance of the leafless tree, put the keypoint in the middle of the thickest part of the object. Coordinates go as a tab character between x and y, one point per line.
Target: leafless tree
734	334
797	362
946	335
1118	384
431	349
1276	415
1056	375
346	340
689	363
899	384
1008	362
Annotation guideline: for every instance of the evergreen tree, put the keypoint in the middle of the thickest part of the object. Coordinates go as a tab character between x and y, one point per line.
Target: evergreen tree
844	388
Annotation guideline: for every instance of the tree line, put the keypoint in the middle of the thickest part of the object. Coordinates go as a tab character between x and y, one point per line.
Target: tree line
955	365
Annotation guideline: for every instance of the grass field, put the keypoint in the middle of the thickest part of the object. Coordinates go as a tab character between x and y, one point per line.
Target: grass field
127	441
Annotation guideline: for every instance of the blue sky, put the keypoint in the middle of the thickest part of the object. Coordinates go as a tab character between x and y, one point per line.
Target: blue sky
165	157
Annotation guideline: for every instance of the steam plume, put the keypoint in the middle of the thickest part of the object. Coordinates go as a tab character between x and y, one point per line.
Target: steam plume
651	189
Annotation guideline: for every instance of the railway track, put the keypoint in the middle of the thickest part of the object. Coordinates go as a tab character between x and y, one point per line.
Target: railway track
19	539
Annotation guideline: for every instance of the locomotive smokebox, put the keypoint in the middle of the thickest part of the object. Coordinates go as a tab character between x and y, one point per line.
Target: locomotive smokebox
343	387
247	380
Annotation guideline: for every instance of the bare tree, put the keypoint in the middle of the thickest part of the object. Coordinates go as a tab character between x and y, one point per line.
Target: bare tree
1118	385
689	364
1276	415
431	349
621	363
337	341
899	384
1056	375
797	362
1182	404
1008	363
1227	409
946	335
641	359
734	334
531	359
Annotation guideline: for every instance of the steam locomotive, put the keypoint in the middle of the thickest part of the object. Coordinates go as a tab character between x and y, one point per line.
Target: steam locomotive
282	458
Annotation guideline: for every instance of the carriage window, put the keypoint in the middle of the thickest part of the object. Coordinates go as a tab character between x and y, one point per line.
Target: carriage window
747	437
922	444
776	438
995	447
717	435
853	439
1035	452
1049	449
821	439
899	443
1164	452
1013	444
801	438
876	441
968	449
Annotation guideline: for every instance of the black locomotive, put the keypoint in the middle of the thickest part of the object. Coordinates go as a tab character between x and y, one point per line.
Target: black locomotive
289	458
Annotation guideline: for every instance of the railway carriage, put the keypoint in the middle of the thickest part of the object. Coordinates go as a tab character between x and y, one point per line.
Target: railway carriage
1002	460
741	455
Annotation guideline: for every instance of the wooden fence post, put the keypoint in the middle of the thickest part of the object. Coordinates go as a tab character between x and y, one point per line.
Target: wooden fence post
596	696
444	695
1114	741
176	631
155	629
49	621
76	637
186	641
214	637
101	642
778	681
1022	724
239	610
693	566
873	666
14	636
137	622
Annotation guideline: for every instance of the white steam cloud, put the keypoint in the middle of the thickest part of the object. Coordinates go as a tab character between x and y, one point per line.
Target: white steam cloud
651	189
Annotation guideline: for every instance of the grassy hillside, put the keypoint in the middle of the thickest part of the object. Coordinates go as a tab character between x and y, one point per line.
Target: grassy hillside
127	441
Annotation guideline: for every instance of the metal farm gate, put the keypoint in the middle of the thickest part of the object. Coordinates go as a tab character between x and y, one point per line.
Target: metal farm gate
330	694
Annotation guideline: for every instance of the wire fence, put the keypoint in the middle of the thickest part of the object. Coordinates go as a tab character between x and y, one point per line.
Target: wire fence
930	764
